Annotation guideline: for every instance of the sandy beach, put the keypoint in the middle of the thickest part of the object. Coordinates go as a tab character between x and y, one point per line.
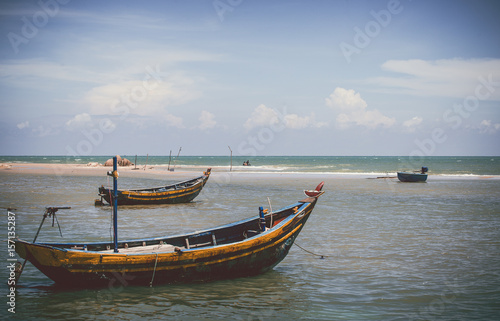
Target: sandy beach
219	175
94	170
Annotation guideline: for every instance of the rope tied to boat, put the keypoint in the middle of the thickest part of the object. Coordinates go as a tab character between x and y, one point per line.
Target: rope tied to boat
303	249
154	271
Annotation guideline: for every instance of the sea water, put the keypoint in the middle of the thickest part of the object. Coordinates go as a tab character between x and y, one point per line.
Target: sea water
438	165
373	249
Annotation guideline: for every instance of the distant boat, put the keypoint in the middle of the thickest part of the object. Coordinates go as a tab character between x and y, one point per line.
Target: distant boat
181	192
245	248
413	176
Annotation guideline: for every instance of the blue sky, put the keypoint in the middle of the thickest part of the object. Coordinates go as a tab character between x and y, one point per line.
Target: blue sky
419	78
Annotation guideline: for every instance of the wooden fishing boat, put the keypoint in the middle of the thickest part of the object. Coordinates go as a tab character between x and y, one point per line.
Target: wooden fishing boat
245	248
182	192
248	247
413	176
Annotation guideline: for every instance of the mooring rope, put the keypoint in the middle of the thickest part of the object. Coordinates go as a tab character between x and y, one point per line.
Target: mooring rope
154	271
320	255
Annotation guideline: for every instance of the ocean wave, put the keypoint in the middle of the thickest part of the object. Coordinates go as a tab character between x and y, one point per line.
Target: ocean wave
337	165
316	171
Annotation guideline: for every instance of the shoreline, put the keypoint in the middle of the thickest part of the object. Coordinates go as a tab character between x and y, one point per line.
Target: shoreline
185	171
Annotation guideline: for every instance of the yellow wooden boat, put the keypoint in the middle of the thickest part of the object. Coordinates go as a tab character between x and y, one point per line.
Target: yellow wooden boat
181	192
243	248
248	247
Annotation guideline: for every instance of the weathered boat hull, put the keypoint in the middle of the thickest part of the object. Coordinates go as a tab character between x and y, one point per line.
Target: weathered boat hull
228	254
412	177
182	192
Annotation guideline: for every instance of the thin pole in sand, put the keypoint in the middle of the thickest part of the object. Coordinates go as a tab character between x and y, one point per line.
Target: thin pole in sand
169	159
175	160
135	164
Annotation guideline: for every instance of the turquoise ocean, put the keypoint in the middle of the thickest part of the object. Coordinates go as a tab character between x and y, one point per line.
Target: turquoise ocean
438	165
373	249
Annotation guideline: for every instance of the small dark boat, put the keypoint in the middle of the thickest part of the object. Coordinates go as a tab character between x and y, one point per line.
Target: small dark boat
248	247
182	192
420	176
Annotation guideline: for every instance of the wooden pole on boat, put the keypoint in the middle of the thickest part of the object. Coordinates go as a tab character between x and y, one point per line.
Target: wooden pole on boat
49	211
271	209
115	202
231	167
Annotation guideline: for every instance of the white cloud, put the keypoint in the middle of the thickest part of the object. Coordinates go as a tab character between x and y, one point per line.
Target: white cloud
207	120
31	73
85	121
447	77
370	119
411	124
353	110
42	131
79	121
173	121
487	127
263	116
140	97
294	121
76	67
345	100
23	125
